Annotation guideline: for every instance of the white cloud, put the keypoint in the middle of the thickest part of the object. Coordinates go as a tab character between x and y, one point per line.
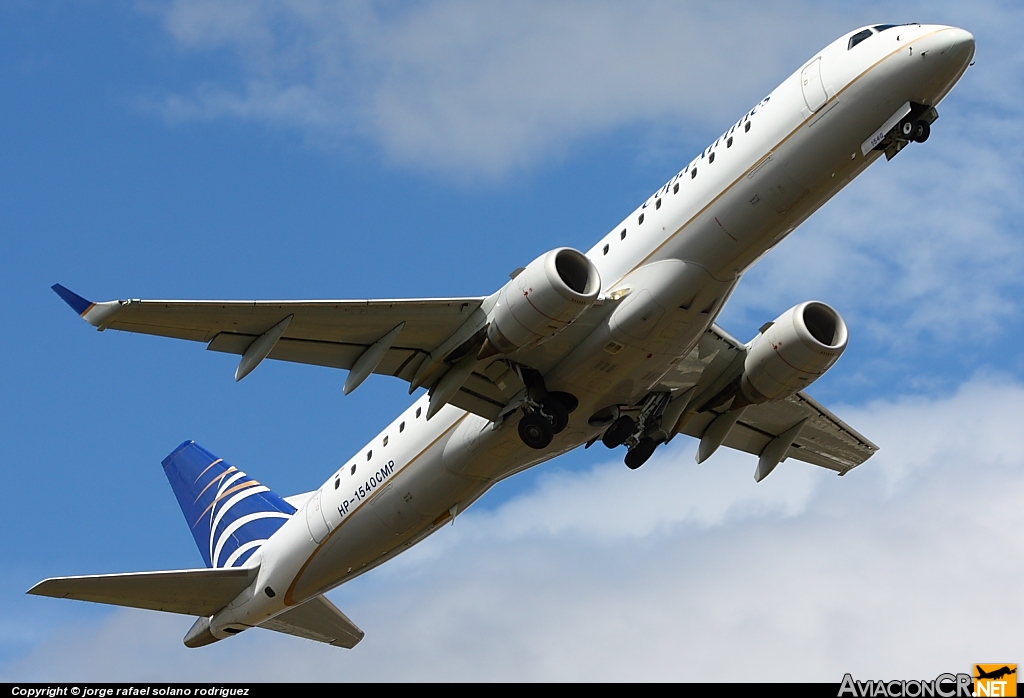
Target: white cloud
904	568
488	87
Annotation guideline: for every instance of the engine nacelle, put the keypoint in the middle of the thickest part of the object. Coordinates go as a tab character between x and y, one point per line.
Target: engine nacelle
793	352
542	300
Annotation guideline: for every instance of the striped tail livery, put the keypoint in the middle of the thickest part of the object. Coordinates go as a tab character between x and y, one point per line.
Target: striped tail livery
230	514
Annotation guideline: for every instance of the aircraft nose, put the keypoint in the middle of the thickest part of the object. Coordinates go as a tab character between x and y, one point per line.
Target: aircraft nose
960	45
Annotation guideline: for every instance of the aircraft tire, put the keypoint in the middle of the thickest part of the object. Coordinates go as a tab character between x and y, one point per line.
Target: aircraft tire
620	430
557	414
535	430
639	454
922	132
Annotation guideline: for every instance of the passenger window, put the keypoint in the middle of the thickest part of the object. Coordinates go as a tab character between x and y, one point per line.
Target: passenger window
385	441
728	143
657	204
606	249
418	410
622	235
369	455
353	472
858	37
401	427
711	158
746	127
641	219
337	483
675	189
693	173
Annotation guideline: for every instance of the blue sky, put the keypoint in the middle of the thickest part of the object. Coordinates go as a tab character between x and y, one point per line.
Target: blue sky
354	150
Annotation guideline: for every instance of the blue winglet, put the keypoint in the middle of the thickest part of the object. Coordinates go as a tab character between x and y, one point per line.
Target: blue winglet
77	303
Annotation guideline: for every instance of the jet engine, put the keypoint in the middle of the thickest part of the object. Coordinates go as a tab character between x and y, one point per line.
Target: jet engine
542	300
793	352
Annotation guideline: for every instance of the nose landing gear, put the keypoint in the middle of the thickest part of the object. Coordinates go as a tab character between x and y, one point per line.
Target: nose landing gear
915	130
915	127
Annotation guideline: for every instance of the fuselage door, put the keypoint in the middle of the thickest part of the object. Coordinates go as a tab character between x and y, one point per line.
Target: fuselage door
315	517
812	86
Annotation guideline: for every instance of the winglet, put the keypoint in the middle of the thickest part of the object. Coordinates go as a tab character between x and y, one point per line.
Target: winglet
96	314
77	303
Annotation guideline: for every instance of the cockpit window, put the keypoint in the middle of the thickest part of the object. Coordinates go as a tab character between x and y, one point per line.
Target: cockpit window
883	27
858	37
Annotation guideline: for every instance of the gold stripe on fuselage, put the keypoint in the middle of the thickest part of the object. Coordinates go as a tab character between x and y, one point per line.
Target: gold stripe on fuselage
288	600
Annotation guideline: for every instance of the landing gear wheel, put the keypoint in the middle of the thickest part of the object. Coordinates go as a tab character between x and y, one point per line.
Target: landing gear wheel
535	430
557	414
639	454
620	430
922	132
907	129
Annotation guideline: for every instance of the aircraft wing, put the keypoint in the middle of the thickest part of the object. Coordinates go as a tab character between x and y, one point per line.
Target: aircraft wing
333	333
824	440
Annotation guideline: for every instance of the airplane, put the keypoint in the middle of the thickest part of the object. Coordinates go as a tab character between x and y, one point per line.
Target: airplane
618	344
995	674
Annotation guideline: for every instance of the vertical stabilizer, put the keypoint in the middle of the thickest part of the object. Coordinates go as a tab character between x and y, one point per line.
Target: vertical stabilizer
231	515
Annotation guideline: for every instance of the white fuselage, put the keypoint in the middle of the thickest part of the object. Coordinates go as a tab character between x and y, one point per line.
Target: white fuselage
681	254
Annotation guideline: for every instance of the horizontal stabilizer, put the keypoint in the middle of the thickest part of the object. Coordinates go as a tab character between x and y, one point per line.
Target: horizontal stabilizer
317	619
192	592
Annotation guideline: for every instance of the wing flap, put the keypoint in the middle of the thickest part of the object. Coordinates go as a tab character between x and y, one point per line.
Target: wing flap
317	619
824	441
200	592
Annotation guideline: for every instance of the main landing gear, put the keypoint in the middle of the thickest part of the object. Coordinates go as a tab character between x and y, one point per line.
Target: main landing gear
639	454
642	435
546	413
539	425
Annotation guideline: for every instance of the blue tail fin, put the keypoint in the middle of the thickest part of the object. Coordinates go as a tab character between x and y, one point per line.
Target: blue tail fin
230	514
